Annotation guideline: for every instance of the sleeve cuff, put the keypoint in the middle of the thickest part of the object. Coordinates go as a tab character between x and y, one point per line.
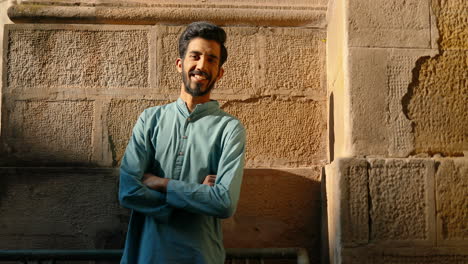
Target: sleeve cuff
172	196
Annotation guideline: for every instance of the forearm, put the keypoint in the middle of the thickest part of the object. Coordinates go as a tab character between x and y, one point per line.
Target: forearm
155	183
199	198
136	196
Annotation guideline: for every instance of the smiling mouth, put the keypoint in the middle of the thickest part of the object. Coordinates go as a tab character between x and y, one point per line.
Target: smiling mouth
199	75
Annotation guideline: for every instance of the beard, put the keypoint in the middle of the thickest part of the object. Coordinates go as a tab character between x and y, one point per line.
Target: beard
197	91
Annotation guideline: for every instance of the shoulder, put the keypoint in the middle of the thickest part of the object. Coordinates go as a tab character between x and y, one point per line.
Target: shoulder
233	127
232	122
155	112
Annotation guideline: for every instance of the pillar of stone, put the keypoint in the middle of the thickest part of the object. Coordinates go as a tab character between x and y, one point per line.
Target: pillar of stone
77	75
397	185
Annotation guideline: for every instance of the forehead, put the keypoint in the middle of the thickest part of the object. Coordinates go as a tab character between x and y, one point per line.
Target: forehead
210	47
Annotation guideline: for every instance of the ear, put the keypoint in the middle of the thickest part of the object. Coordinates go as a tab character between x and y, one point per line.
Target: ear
179	65
220	74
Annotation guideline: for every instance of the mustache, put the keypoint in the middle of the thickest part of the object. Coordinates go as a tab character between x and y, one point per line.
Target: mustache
198	72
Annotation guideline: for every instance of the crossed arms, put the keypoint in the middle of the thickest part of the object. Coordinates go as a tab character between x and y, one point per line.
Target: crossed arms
160	184
141	191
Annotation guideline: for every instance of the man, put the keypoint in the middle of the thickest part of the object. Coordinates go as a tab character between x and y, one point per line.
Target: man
182	169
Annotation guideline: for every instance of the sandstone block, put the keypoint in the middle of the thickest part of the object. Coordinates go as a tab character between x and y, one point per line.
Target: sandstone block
277	208
48	132
405	255
280	133
368	100
379	101
258	13
452	201
60	208
451	17
241	76
401	193
347	199
96	56
439	259
168	79
121	118
337	86
258	62
293	62
240	68
437	105
392	23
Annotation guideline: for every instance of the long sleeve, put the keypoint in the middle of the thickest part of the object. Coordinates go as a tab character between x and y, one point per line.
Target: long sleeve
221	199
133	194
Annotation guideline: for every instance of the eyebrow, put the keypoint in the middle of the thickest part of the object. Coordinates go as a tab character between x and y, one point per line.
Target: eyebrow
199	53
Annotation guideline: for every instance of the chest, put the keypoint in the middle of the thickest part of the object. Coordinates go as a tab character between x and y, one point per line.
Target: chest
188	149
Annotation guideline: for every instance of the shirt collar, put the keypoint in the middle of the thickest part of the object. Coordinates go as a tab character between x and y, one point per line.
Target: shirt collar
200	109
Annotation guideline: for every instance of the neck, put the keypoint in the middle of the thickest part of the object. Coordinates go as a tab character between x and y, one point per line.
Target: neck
192	101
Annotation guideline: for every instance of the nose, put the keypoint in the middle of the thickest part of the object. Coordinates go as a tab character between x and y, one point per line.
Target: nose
201	63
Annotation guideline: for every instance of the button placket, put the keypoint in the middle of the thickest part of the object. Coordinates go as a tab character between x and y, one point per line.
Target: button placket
182	144
180	153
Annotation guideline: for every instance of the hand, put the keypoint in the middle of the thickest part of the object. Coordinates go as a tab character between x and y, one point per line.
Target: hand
210	180
154	182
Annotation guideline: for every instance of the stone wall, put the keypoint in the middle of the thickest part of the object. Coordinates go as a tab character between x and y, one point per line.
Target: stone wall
396	190
72	93
410	209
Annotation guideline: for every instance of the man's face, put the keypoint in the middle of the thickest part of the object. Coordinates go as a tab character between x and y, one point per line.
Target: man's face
200	68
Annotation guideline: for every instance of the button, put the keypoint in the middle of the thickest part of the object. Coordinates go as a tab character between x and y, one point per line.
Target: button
181	153
184	137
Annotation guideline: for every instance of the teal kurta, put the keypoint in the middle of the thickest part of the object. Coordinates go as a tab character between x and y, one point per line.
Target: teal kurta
183	225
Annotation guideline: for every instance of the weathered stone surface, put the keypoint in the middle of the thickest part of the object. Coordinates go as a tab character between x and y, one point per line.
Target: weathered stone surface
104	56
337	82
241	76
368	131
452	201
347	205
122	115
355	203
452	21
437	104
277	208
282	132
401	139
293	62
402	200
347	198
48	132
257	13
367	101
60	208
3	20
447	259
379	100
252	68
406	255
168	78
391	23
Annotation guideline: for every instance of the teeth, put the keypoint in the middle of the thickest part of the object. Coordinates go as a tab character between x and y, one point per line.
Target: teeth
199	77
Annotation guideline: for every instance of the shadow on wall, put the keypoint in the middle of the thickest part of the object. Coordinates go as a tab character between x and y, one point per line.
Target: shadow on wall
277	208
77	208
60	208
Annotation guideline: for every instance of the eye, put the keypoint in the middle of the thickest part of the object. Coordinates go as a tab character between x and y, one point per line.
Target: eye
194	57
